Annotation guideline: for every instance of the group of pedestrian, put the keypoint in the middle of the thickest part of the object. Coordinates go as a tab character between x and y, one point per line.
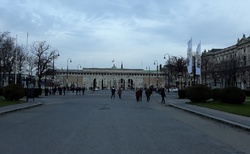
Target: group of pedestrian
62	90
53	91
138	94
113	90
79	90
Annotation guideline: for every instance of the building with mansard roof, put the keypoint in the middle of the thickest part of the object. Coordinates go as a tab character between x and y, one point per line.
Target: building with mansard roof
229	66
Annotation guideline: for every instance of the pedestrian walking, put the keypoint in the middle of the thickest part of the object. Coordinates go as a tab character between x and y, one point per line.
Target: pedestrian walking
64	90
113	92
120	93
148	93
137	95
54	90
83	90
140	90
77	89
60	90
163	95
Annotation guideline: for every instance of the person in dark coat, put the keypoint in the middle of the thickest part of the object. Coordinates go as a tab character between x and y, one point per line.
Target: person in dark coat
140	90
113	92
83	90
163	95
148	93
64	90
137	95
119	93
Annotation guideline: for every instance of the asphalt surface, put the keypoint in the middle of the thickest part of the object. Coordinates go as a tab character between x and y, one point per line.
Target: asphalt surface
172	100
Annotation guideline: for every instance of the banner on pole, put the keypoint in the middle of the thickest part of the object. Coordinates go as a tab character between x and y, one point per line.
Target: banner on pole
198	60
189	56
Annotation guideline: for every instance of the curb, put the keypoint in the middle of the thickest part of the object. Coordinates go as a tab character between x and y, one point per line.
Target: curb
19	108
228	122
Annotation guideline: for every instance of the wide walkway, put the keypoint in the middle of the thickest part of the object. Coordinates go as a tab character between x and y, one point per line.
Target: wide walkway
172	100
242	122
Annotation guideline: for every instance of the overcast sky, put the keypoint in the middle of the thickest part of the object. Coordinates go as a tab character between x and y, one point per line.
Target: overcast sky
138	32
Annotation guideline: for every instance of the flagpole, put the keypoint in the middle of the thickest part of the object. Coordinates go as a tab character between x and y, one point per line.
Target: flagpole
27	45
200	63
26	59
27	42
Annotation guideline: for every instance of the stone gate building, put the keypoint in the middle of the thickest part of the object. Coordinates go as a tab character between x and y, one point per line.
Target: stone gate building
105	78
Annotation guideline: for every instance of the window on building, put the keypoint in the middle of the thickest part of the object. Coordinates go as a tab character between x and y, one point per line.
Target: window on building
245	61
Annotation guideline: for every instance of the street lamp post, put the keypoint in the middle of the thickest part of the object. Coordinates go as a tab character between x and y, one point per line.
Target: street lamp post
169	75
67	82
54	56
148	76
79	65
157	73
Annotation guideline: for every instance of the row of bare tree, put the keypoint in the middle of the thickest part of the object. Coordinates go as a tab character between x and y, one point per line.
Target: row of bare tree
174	68
35	59
228	72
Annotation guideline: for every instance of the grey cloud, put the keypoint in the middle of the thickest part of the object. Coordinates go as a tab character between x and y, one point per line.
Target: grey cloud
135	27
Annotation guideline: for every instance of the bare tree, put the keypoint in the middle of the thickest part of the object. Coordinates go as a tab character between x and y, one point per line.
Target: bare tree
44	56
8	57
20	62
179	66
229	70
205	66
3	47
30	62
12	59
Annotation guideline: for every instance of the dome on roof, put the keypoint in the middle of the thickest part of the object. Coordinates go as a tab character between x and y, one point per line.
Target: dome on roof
114	67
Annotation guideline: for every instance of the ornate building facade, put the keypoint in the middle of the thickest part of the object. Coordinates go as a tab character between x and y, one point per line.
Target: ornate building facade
106	78
229	66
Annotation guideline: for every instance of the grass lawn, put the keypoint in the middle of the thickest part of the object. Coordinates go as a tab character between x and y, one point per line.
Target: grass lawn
6	103
243	109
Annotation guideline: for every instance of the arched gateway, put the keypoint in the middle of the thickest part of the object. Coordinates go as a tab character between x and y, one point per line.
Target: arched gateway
105	78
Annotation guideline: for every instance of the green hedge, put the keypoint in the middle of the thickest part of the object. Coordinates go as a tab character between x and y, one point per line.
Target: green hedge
199	93
216	94
182	93
233	95
247	92
13	92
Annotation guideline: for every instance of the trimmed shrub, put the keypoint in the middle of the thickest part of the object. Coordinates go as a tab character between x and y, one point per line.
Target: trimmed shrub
38	92
233	95
182	93
13	92
199	93
216	94
1	91
247	92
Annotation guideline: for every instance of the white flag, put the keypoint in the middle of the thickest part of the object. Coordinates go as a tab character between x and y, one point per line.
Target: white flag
198	59
189	56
